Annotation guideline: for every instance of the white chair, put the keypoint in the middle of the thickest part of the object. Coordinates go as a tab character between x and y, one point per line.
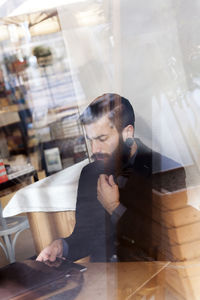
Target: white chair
8	227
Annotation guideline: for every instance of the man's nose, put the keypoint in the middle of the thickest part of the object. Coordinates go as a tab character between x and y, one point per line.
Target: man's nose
95	147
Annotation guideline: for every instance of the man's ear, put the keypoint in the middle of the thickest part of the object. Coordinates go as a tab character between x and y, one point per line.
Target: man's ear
128	132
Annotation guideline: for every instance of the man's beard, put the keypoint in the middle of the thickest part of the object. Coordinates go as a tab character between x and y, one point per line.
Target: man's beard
115	162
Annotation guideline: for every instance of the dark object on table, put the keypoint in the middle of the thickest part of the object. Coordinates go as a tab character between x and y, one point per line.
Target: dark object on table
32	279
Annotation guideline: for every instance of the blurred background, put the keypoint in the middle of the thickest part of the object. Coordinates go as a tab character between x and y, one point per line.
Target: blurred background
57	56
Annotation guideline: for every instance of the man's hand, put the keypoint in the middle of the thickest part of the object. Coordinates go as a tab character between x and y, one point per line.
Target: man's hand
55	249
108	192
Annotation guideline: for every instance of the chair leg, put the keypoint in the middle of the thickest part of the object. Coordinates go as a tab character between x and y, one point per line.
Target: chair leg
10	245
4	249
10	251
13	242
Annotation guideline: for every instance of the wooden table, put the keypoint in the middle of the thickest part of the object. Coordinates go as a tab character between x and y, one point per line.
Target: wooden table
141	281
117	281
134	281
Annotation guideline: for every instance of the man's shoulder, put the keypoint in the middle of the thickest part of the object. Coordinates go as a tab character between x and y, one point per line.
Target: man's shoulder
155	161
162	163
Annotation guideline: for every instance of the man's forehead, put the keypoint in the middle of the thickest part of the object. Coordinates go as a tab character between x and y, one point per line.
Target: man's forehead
102	126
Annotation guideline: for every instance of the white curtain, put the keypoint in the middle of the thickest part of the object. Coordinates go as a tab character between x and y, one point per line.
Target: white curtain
148	51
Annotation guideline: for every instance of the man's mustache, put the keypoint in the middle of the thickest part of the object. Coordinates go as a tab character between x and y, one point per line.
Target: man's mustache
97	156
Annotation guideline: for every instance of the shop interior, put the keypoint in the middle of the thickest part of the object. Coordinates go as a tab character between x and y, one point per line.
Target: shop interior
39	114
53	62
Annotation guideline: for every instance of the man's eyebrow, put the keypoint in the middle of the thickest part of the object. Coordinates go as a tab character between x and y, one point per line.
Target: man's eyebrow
97	137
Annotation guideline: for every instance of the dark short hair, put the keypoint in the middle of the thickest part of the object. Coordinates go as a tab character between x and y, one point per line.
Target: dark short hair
118	109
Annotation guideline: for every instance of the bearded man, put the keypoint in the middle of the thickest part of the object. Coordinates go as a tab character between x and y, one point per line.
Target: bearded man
113	189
